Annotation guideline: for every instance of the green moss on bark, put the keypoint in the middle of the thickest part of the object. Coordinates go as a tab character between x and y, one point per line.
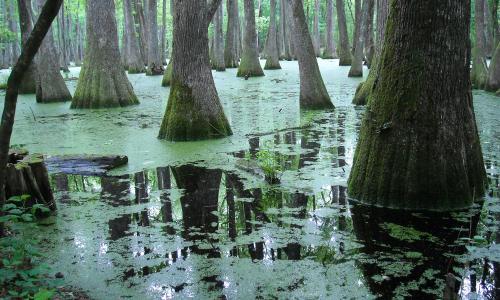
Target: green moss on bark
186	120
249	69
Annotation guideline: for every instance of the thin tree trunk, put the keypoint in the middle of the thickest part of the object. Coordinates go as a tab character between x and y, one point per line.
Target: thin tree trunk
30	48
250	64
493	84
479	72
194	111
28	84
217	61
330	49
273	59
357	61
141	22
132	52
316	37
364	89
313	94
155	65
488	32
64	64
369	43
231	59
14	45
418	146
344	51
163	42
285	31
103	82
494	24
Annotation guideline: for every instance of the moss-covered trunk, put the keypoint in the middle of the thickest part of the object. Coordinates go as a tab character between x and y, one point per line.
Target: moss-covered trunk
231	58
418	146
194	111
273	59
330	49
479	72
217	60
167	77
103	82
250	64
313	94
368	42
343	50
132	54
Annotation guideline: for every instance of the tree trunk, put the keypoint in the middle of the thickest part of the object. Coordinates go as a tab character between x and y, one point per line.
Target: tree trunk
50	85
418	146
330	49
61	32
141	23
155	66
356	69
344	51
163	42
494	24
479	72
218	63
28	84
13	27
488	32
493	84
369	43
313	94
30	47
364	89
231	58
103	82
250	64
316	36
133	60
194	111
285	31
357	21
273	59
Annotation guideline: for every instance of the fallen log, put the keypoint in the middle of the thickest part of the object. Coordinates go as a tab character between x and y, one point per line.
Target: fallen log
89	165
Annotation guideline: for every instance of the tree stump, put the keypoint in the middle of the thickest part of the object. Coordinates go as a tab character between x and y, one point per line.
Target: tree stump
27	175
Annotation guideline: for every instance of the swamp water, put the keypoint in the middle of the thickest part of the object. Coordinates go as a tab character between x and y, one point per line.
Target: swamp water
200	219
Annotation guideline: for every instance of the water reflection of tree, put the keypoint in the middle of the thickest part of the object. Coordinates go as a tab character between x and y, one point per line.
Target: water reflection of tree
409	253
115	190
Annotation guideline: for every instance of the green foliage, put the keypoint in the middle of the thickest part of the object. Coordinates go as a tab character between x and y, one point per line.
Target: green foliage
269	163
20	276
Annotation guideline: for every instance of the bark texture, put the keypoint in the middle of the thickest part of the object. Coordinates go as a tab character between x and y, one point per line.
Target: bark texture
285	32
194	111
28	84
330	49
155	65
418	146
313	94
479	72
343	51
132	53
50	85
364	89
250	64
217	61
273	58
231	58
103	82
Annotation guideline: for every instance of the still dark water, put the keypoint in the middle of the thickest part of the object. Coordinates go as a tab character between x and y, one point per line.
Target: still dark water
264	214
